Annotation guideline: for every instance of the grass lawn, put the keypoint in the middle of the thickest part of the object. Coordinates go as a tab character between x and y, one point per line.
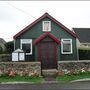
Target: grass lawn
21	79
67	78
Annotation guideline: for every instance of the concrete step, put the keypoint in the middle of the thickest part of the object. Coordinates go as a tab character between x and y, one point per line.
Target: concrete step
49	72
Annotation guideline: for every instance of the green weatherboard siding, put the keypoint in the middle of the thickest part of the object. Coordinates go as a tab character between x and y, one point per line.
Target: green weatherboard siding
56	31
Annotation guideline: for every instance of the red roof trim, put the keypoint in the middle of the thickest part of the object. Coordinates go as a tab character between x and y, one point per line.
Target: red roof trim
43	16
40	38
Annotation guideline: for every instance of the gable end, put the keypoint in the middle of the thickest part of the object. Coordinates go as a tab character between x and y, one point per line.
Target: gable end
39	19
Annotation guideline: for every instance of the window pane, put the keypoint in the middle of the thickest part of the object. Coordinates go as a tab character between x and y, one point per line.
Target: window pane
66	47
46	26
26	48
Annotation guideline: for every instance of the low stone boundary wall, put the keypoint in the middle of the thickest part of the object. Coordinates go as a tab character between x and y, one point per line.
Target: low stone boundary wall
29	68
74	66
21	67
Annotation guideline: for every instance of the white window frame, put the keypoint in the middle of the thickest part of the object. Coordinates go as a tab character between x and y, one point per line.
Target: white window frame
26	41
49	26
62	40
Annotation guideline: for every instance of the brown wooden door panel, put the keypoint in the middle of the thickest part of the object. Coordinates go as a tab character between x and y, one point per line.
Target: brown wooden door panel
47	55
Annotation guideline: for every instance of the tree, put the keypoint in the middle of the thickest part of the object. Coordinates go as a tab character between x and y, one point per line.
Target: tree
9	47
1	51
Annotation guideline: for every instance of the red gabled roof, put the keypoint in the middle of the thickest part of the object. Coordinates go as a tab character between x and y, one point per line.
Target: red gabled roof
40	38
42	17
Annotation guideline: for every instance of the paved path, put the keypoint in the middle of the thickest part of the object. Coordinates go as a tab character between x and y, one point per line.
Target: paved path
84	85
50	79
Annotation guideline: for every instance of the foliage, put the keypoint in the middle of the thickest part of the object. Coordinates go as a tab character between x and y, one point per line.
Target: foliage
84	54
69	75
9	47
18	78
1	50
11	75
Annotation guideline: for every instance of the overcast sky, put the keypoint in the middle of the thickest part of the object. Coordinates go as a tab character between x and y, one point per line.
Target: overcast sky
15	15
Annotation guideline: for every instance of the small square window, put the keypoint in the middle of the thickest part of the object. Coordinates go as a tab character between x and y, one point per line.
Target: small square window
66	46
26	46
46	26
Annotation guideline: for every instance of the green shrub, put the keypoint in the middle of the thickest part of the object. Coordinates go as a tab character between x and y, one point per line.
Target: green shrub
1	51
84	54
9	47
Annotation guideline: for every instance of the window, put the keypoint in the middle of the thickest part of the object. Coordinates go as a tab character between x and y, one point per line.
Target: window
66	46
46	26
26	46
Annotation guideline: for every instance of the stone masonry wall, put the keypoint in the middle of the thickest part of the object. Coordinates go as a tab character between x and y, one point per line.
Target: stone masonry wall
74	65
21	67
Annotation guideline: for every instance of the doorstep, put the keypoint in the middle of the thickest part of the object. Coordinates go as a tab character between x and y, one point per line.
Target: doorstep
49	72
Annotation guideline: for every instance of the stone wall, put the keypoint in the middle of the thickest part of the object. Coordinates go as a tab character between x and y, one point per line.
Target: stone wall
74	65
21	67
35	67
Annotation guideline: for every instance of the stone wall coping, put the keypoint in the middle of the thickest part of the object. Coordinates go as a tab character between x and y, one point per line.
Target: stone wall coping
20	62
74	61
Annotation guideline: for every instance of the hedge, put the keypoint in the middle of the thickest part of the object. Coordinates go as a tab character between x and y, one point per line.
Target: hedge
84	54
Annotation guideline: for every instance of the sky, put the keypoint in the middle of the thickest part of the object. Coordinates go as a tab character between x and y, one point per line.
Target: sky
16	15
